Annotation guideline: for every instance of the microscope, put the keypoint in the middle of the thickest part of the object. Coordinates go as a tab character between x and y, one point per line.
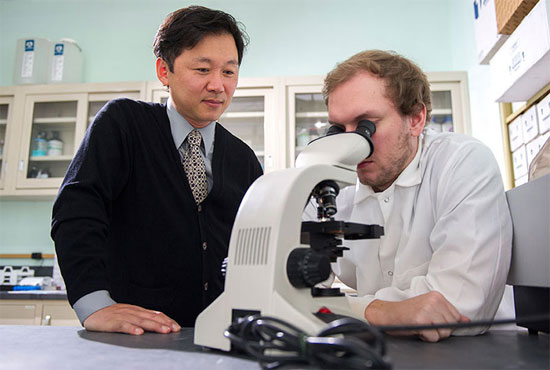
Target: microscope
276	262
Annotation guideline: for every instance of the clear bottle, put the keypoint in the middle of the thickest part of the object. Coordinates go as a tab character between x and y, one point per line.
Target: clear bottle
40	145
302	139
55	145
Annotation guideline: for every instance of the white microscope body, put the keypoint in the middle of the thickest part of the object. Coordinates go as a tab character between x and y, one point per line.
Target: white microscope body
266	230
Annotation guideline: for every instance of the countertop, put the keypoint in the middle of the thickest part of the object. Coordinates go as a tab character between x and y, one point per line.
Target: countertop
35	294
33	347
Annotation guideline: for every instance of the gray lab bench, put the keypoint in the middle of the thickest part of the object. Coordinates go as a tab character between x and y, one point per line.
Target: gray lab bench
49	348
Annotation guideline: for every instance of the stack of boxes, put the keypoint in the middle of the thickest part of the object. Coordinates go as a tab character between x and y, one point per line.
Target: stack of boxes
528	133
513	36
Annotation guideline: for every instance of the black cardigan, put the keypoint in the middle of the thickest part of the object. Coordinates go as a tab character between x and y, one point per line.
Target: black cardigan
125	219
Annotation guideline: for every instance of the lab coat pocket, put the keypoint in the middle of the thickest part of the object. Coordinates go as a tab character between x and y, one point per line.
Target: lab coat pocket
403	280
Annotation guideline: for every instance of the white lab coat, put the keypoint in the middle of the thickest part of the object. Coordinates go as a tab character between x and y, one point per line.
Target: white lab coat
447	228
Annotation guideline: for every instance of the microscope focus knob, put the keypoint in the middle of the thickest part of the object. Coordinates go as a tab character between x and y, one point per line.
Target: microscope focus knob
305	267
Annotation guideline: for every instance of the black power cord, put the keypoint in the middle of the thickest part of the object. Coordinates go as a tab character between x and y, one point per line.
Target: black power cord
344	343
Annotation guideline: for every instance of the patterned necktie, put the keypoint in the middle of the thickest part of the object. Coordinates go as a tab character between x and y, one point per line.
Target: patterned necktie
194	166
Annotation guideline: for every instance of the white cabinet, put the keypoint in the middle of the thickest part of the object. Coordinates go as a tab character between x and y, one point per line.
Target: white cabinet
37	312
308	116
276	117
6	135
251	116
46	117
45	128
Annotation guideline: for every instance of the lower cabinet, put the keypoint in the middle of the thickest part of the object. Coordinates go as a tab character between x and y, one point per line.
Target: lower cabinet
37	312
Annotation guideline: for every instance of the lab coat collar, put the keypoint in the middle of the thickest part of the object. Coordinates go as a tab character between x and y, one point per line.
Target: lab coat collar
180	128
409	177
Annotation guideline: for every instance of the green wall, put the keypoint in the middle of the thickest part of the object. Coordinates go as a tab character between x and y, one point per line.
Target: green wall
288	37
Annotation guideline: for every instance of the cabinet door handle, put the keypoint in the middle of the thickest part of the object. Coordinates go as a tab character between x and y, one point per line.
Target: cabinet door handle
47	320
21	165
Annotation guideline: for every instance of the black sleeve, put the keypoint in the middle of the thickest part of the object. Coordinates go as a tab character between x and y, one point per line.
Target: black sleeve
81	212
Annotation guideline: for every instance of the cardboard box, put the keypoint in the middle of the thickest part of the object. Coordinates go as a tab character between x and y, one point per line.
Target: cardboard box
510	13
521	67
543	112
530	124
488	40
515	133
519	161
532	149
522	180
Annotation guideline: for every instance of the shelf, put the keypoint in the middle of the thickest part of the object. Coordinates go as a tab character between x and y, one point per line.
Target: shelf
3	121
49	120
242	115
528	104
51	158
441	112
312	115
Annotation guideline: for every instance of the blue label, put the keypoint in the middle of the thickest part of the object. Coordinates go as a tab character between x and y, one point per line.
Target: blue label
58	50
29	45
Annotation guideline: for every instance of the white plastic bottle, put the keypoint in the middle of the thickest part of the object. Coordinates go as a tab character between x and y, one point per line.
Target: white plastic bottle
65	63
55	145
31	61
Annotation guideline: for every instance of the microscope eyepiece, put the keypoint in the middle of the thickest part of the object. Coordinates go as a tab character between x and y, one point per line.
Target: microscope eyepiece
365	128
335	129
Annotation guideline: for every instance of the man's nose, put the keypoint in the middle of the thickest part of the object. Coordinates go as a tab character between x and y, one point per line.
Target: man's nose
215	83
350	127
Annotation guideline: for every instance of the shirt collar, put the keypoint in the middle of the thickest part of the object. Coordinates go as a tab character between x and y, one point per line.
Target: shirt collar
180	128
409	177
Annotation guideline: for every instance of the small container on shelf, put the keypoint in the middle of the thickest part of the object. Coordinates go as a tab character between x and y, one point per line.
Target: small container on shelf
447	125
55	145
302	139
40	145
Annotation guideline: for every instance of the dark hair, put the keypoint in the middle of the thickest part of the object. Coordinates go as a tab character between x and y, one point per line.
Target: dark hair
406	85
185	28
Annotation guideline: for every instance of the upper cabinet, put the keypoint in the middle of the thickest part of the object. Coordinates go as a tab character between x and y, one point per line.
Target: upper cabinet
6	128
53	126
251	116
46	129
42	126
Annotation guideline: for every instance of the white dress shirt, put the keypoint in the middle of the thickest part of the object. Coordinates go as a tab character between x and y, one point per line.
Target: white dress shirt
447	228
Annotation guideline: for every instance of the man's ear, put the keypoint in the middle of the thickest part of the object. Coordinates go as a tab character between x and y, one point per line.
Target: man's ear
162	71
417	120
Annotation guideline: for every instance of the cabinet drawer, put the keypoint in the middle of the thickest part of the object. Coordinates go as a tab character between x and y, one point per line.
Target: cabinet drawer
18	313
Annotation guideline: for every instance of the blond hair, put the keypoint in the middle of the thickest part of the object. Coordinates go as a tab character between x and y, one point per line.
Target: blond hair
406	85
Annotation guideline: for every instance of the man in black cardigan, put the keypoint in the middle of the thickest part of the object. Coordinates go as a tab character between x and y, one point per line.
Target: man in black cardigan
136	250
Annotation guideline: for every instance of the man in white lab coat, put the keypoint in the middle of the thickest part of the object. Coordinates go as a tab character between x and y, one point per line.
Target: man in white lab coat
447	245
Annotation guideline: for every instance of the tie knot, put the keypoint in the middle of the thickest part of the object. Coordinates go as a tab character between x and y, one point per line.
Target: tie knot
194	138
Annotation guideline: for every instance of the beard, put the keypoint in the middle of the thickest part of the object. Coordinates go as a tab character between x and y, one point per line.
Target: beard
390	168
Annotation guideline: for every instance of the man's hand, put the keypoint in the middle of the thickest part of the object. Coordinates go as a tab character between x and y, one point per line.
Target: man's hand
425	309
130	319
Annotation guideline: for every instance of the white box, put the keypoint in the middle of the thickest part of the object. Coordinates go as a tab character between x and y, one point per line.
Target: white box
31	60
522	180
521	67
543	112
488	40
65	63
533	149
515	133
519	160
530	124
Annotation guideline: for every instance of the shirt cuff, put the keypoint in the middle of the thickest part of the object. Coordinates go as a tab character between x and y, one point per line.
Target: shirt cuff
359	304
91	303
